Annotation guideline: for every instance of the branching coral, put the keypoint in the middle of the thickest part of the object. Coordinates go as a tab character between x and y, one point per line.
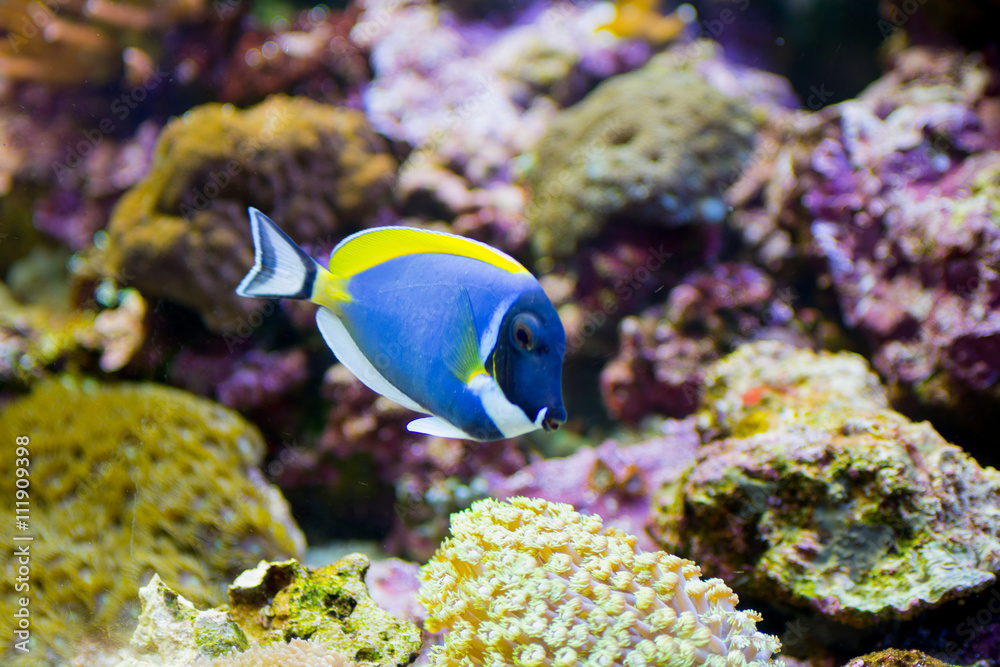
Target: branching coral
532	583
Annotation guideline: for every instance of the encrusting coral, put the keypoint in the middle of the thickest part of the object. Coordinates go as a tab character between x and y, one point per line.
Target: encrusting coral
532	583
182	233
128	480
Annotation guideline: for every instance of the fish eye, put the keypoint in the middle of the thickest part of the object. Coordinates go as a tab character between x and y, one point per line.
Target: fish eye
525	331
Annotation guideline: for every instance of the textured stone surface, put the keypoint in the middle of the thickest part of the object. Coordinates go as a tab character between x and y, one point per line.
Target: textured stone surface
820	496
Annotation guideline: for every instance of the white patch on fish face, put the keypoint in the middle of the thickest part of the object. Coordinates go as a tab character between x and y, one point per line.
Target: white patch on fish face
510	420
488	341
540	417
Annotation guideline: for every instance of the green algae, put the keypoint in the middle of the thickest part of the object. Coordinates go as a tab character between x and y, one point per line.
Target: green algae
278	602
126	481
837	504
654	146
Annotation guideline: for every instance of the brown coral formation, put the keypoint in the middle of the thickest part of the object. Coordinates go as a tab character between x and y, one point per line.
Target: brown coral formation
182	233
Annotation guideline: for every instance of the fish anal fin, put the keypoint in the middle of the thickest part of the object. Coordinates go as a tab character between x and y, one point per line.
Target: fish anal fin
437	426
350	355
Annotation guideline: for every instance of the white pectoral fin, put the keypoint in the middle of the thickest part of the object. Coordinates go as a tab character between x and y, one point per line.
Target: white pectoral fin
349	354
437	426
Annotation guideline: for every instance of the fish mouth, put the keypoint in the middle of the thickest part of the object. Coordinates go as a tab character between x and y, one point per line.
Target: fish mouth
548	423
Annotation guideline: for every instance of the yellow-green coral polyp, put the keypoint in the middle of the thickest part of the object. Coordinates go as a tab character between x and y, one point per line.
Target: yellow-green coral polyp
531	583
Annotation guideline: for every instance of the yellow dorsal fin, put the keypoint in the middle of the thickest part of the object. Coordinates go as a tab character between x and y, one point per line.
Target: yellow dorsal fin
374	246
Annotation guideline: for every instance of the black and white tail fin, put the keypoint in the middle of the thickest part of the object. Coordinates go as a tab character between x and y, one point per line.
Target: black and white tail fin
281	269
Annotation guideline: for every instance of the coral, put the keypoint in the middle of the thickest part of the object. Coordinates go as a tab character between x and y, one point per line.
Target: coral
393	585
825	498
63	168
529	582
651	147
896	195
243	381
131	480
276	602
75	43
182	234
894	658
479	98
36	339
664	351
615	482
764	374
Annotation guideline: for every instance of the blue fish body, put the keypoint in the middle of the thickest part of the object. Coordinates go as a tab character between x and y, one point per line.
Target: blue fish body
438	323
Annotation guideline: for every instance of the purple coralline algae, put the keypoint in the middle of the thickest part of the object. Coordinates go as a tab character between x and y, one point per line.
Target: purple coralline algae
613	481
249	381
897	194
818	495
470	95
664	351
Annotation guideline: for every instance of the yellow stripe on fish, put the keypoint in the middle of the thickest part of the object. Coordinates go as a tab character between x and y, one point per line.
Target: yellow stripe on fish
369	248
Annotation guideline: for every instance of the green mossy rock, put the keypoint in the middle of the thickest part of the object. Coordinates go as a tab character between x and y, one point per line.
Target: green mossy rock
655	146
817	497
281	601
896	658
126	481
183	233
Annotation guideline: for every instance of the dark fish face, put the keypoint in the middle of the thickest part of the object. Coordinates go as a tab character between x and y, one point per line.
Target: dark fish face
527	359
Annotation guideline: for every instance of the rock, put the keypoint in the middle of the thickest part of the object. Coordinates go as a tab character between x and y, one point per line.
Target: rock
823	497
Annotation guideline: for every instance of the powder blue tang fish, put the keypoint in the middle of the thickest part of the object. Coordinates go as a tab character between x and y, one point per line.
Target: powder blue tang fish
438	323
